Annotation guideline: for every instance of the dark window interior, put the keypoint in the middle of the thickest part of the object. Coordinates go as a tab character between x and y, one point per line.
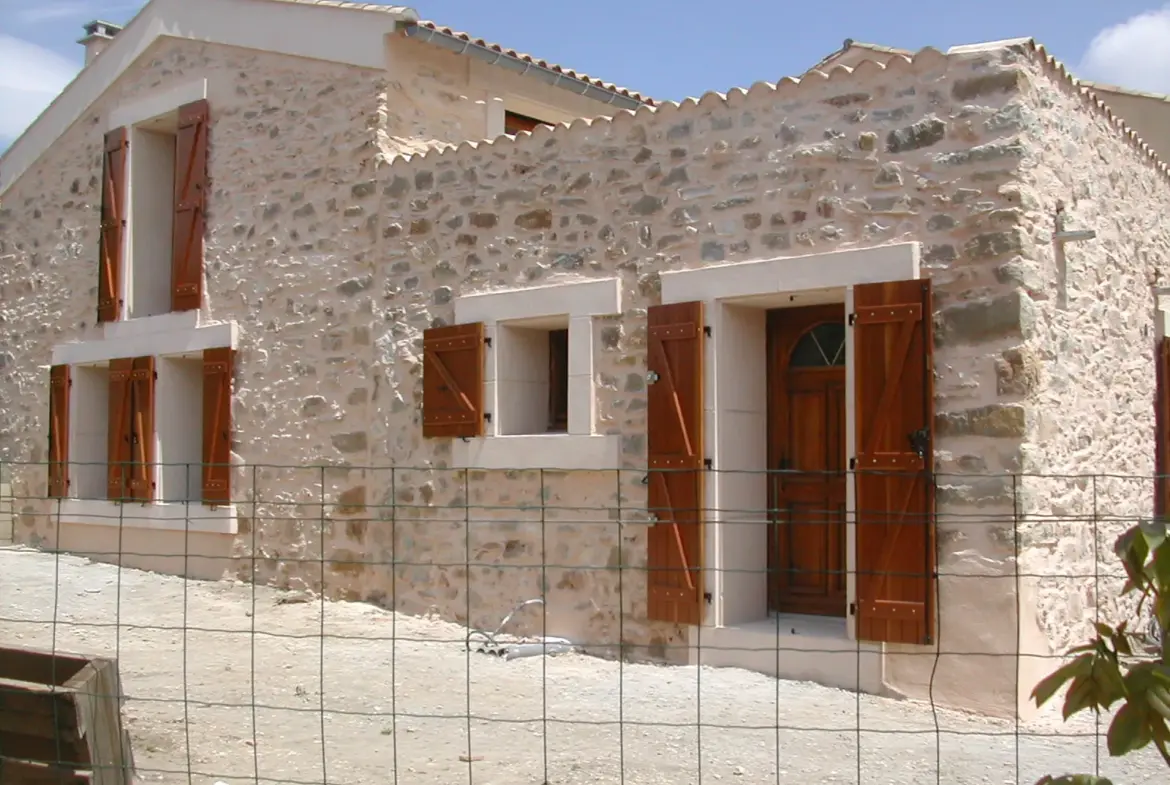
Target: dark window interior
514	123
558	380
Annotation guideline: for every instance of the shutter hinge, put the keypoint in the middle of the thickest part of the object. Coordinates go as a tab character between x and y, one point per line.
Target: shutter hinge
852	609
708	463
852	464
707	597
487	416
487	341
707	330
852	319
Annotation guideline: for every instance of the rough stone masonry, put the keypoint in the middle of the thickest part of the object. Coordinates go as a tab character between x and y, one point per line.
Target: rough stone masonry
334	254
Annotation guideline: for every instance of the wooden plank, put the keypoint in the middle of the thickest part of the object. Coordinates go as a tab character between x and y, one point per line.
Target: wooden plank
37	710
98	695
61	751
41	667
21	772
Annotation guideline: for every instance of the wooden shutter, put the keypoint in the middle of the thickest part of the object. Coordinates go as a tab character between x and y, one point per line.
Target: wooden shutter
217	425
113	225
1162	428
190	220
453	380
59	385
892	347
118	439
141	480
675	445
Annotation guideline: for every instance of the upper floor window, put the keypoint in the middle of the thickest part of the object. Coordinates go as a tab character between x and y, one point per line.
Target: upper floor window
514	122
153	218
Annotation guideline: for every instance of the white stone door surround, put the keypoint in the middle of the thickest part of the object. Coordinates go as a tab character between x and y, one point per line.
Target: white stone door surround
737	629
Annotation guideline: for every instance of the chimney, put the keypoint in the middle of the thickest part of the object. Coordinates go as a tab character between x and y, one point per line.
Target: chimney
98	35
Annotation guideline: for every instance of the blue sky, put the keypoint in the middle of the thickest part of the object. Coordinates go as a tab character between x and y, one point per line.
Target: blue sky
668	49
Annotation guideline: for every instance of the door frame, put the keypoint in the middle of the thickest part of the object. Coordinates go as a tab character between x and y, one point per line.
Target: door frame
736	297
778	392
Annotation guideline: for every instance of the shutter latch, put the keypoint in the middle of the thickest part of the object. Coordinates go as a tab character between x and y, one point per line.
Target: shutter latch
918	441
852	609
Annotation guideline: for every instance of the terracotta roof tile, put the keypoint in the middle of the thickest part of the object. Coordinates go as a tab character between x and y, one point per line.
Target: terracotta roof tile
386	9
527	58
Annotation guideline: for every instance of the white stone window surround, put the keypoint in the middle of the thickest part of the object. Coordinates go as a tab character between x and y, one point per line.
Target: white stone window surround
150	121
169	338
577	303
738	629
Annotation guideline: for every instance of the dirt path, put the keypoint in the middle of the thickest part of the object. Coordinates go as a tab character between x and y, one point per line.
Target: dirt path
381	687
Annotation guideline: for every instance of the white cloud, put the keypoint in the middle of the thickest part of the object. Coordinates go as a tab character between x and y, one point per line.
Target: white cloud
30	77
1133	54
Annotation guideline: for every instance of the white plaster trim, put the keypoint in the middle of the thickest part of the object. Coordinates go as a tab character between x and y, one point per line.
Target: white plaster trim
494	120
573	298
154	105
758	285
551	451
195	518
148	337
897	262
356	37
1162	313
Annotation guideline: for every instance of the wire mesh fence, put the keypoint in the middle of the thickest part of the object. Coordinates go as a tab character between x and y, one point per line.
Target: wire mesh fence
341	624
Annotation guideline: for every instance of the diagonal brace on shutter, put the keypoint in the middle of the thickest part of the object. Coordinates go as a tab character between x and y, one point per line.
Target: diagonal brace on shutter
908	316
678	540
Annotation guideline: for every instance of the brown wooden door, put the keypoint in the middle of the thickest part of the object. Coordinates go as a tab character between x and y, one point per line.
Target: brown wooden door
806	459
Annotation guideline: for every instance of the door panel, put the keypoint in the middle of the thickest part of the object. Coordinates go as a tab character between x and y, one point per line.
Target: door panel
806	413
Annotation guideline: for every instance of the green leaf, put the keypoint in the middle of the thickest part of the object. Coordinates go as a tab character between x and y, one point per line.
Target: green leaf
1081	695
1154	532
1159	699
1162	567
1051	684
1133	549
1104	630
1110	684
1128	731
1161	610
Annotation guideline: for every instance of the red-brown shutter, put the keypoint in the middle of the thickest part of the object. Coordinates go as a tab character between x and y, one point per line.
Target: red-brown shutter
113	225
141	480
674	423
1162	428
190	221
453	380
515	123
59	385
217	425
892	347
118	441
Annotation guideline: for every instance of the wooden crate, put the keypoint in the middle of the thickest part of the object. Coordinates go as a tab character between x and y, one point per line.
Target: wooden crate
61	720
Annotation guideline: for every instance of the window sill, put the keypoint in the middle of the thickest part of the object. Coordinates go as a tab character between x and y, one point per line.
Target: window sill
539	451
174	516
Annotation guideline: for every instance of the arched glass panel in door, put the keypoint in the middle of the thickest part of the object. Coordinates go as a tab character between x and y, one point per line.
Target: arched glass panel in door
823	346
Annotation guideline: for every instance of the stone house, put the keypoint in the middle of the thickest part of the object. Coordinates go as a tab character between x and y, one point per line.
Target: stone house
627	364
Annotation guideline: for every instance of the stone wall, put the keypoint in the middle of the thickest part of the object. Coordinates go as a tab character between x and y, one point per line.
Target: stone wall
925	151
288	257
1087	370
334	265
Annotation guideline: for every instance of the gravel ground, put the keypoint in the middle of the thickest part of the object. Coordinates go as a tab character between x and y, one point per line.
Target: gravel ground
395	688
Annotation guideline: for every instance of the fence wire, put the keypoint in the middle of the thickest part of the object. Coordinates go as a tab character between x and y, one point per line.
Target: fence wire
341	624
